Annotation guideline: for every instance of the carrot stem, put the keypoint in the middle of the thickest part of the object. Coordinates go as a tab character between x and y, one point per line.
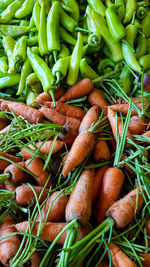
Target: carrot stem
5	176
6	195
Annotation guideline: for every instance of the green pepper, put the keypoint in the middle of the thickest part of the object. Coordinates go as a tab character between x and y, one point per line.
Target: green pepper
19	53
131	31
141	12
25	71
126	79
115	26
47	5
3	74
36	14
75	61
9	44
94	38
87	71
25	9
32	41
5	3
98	6
9	80
13	30
42	34
31	80
53	38
9	12
141	46
66	21
145	61
104	63
131	6
121	9
66	37
42	71
60	68
24	23
3	64
146	25
64	52
129	57
148	45
73	8
30	98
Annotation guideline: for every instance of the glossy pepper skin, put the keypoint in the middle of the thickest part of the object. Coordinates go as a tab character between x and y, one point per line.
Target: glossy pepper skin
141	12
32	41
74	8
5	3
9	12
60	68
66	21
126	79
121	9
25	71
13	30
75	61
64	52
131	6
98	6
25	9
9	44
19	53
36	14
87	71
141	48
94	38
42	34
3	64
66	36
145	61
146	25
104	63
115	26
9	80
131	33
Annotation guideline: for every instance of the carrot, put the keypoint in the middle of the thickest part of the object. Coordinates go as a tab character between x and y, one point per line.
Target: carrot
97	182
137	125
110	188
59	118
17	175
112	120
35	259
66	109
80	89
147	226
103	264
147	134
20	109
67	135
101	151
136	100
47	97
8	246
57	211
81	147
91	117
10	187
123	108
4	163
45	148
119	258
36	167
95	98
146	256
80	201
3	123
123	210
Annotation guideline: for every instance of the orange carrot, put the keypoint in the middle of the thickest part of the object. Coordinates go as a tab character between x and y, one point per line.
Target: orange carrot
101	151
3	131
10	187
17	175
136	100
59	118
110	188
36	167
91	117
82	88
119	258
95	98
81	147
147	226
8	246
137	125
35	259
97	182
123	108
5	163
147	134
123	210
80	201
57	211
47	97
66	109
112	120
103	264
146	256
20	109
3	123
45	148
67	135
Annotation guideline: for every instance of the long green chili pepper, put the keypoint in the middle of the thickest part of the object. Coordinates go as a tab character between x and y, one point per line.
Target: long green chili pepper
30	98
9	12
53	38
141	12
19	53
145	61
24	23
115	26
75	61
141	48
9	44
121	9
25	71
94	38
98	6
9	80
31	79
131	6
73	6
60	68
64	52
36	14
66	36
3	64
129	57
13	30
104	63
87	71
126	79
5	3
148	45
25	9
42	34
131	31
42	71
32	41
47	4
146	25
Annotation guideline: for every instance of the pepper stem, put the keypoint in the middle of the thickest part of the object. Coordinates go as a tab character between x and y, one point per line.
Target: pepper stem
81	30
5	176
55	55
6	195
53	97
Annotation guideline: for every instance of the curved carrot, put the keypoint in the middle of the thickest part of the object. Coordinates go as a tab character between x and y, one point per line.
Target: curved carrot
97	182
8	246
91	117
67	135
35	259
147	134
146	256
3	123
80	89
36	167
95	98
17	175
123	210
80	201
41	98
5	163
81	147
137	125
4	130
10	187
57	211
110	188
101	151
59	118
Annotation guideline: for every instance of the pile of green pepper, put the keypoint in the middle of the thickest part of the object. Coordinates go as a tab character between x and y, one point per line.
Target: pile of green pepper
47	43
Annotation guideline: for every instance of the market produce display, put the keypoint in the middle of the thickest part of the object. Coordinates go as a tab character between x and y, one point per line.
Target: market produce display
74	133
